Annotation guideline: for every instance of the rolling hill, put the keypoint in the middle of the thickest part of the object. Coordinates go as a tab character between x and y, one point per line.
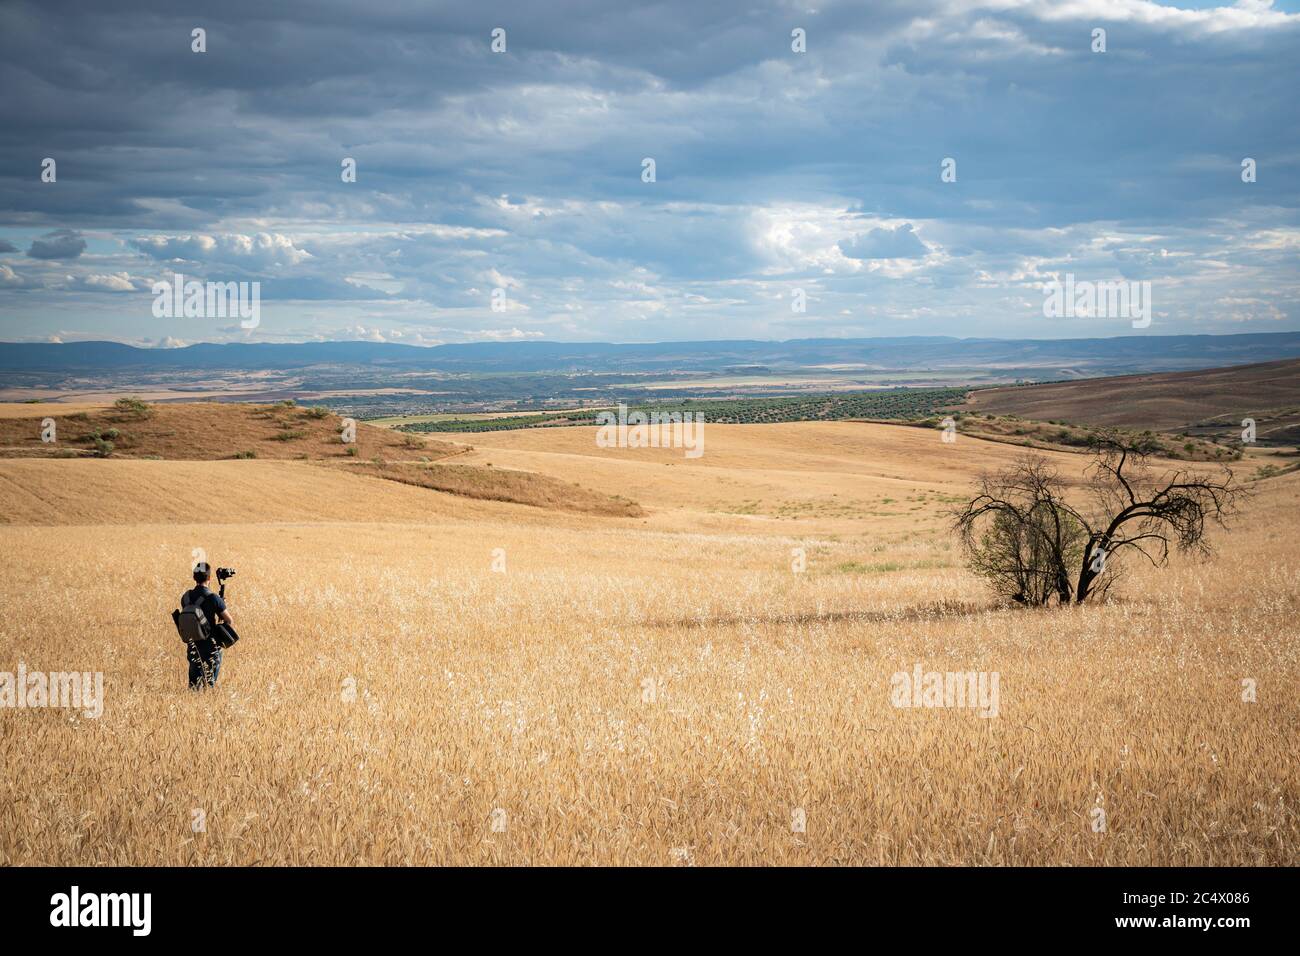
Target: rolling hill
211	432
665	689
202	431
1206	402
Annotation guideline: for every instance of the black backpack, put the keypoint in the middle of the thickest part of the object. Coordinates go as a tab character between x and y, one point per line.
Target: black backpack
191	623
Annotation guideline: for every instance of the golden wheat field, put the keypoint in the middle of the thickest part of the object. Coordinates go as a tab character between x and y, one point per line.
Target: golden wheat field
429	679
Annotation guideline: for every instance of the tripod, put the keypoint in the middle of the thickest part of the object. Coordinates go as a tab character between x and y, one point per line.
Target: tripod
224	634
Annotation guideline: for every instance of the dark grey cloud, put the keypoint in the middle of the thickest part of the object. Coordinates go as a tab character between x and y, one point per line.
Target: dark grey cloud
6	246
59	244
1039	125
771	166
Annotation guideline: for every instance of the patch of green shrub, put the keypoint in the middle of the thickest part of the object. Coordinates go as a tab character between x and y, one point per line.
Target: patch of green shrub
132	407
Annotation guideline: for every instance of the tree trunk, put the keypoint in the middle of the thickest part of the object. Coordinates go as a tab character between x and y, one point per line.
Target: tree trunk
1086	574
1062	585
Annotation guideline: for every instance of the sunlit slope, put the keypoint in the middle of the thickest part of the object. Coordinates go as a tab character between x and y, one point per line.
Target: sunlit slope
620	695
828	477
813	470
891	452
49	492
664	689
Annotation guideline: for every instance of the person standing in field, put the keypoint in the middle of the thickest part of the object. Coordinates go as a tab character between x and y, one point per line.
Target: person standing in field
205	655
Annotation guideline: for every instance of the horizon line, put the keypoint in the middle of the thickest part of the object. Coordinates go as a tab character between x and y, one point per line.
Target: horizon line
563	342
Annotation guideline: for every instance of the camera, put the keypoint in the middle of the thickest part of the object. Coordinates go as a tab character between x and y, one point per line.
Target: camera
224	573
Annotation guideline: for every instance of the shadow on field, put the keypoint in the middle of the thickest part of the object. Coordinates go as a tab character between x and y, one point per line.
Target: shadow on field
934	611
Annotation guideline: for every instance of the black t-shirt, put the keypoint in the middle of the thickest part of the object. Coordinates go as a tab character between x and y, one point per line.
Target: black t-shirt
212	604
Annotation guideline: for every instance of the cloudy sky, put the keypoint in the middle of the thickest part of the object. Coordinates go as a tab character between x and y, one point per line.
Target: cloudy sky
522	170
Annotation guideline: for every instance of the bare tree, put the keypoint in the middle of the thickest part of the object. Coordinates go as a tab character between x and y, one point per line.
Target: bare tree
1035	546
1020	534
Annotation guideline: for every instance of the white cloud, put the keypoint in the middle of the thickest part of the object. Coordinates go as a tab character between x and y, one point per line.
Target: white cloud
261	250
9	279
500	335
115	282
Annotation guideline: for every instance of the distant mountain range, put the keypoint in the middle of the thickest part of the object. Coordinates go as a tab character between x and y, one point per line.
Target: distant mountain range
1104	356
